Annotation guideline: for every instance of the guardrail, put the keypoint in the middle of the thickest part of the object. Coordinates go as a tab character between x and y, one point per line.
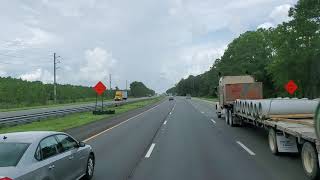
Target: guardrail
27	118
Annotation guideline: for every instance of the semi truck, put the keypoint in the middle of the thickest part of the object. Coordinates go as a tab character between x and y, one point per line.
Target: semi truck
121	95
289	121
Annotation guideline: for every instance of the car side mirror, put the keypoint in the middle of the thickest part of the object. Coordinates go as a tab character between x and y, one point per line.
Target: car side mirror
81	144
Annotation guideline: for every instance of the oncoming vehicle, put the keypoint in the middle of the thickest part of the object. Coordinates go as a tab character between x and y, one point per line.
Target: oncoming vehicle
171	98
44	155
188	96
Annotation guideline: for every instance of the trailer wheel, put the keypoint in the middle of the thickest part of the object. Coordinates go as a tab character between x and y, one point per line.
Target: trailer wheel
226	116
310	160
273	141
230	118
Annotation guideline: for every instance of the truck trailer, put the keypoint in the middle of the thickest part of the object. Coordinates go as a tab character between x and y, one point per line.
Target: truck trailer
289	121
121	95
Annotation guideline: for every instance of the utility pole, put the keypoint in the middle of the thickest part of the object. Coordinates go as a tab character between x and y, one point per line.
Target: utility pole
55	62
126	85
54	79
110	81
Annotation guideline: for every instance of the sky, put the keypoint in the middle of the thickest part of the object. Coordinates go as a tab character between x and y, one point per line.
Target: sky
155	42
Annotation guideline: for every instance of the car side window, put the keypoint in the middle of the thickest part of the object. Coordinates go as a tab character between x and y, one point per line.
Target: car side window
49	147
66	143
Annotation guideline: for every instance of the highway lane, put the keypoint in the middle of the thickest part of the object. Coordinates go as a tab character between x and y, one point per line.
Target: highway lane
120	149
185	140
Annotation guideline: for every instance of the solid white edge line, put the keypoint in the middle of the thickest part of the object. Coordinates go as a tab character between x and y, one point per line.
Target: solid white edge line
96	135
213	121
165	122
150	150
246	148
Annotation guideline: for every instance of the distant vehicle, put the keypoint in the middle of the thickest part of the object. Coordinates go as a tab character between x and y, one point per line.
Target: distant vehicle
232	88
121	95
171	98
188	96
44	155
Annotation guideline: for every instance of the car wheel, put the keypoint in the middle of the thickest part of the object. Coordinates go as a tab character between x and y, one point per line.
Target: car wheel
226	116
272	138
309	158
90	168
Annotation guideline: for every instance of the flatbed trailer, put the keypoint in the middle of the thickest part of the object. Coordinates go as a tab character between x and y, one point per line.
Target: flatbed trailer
287	136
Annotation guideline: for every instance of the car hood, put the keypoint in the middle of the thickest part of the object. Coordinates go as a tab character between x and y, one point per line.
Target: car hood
11	172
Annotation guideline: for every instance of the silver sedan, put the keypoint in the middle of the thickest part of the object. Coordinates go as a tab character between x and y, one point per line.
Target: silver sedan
44	156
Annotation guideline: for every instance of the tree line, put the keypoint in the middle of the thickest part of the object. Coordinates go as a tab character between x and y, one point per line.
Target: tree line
138	89
290	51
19	93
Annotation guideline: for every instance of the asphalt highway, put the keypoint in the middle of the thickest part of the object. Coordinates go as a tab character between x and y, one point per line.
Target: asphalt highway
184	139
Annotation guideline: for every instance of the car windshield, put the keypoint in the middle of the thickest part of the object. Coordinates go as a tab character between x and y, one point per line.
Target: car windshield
11	153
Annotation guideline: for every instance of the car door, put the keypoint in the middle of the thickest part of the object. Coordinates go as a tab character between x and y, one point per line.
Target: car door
70	147
52	161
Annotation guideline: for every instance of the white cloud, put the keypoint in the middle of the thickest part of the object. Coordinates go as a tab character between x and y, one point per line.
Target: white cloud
280	13
2	71
38	75
192	61
266	25
34	37
174	39
98	64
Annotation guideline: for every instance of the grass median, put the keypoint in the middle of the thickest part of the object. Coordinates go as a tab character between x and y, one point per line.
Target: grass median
75	120
208	99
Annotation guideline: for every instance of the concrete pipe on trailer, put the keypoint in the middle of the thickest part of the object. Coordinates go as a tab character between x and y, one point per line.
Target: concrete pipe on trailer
238	108
247	104
241	106
284	106
255	109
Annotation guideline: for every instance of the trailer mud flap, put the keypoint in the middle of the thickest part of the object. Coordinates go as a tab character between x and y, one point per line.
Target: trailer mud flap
287	144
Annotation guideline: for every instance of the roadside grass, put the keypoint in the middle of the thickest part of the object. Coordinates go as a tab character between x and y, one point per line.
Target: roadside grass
208	99
75	120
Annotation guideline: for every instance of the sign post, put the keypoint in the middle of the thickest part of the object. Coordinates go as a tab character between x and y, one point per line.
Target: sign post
100	88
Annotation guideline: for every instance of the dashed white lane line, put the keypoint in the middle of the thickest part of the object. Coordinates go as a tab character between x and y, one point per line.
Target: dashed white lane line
96	135
165	122
150	150
202	112
213	121
246	148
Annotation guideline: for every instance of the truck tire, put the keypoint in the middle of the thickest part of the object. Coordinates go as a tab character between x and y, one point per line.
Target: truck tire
272	137
230	118
219	115
226	116
309	157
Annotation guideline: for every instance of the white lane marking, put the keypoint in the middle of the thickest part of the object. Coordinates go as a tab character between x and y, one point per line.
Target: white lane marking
173	108
246	148
96	135
202	112
150	150
165	122
213	121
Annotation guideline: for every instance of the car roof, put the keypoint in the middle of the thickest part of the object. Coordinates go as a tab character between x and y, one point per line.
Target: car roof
26	137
